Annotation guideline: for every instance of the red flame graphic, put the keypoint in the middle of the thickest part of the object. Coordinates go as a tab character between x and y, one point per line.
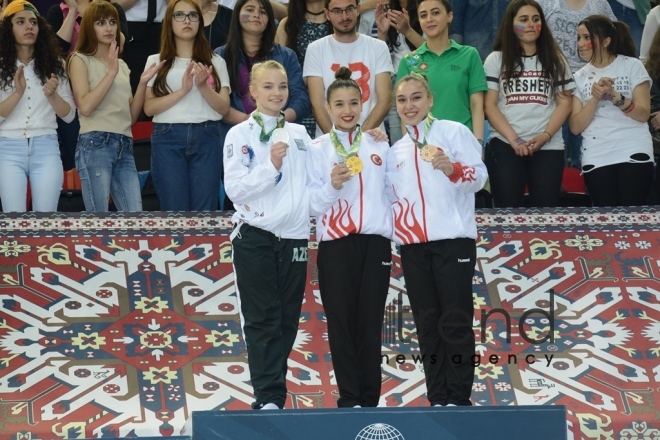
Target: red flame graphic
340	223
463	173
406	226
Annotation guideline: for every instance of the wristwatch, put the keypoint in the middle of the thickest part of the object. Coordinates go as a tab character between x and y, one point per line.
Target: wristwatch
481	142
619	102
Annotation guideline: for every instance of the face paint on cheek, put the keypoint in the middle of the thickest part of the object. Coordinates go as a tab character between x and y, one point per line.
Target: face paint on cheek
589	45
537	28
245	18
519	30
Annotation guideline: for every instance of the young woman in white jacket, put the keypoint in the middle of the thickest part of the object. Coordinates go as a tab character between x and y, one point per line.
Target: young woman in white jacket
434	171
347	184
265	177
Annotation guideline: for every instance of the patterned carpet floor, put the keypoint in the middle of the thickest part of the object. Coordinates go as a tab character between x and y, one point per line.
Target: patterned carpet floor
121	325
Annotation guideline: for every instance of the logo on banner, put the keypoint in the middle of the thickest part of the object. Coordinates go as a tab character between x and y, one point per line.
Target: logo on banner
380	431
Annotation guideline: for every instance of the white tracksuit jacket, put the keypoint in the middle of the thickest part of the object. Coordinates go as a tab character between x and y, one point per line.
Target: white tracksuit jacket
361	206
275	201
428	205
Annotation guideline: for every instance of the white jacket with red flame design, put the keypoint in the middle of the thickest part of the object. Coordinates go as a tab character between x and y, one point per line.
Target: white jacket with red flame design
361	206
272	200
427	204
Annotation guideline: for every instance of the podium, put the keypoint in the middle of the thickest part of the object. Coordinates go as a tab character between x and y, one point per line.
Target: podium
446	423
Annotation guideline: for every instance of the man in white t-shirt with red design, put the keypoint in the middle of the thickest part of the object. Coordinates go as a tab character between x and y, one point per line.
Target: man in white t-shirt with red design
368	58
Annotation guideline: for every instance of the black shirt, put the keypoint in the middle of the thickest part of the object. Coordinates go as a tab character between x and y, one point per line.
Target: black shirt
218	30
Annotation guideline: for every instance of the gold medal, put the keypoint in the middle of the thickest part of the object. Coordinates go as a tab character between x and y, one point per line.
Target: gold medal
427	152
354	163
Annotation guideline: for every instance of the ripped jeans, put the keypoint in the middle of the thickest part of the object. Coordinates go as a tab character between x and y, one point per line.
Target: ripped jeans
106	167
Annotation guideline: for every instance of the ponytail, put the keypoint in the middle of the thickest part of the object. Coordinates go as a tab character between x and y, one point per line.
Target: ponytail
622	43
600	27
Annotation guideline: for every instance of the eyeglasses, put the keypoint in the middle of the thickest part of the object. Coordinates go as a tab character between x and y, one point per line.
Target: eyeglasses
339	12
181	16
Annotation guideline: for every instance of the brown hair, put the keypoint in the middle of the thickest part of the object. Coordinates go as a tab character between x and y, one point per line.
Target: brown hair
601	27
97	10
342	80
202	52
552	60
417	77
653	60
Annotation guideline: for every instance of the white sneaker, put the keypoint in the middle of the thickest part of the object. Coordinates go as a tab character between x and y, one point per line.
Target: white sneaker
357	406
437	404
451	404
270	406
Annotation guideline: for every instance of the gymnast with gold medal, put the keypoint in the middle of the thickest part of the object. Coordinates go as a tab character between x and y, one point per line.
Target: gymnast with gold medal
347	187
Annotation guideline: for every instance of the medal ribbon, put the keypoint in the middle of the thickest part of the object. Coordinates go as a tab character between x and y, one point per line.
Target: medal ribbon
427	128
263	136
341	151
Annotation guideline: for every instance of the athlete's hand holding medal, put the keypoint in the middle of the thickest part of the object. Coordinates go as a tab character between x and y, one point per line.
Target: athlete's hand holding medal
280	138
353	163
442	162
340	175
430	153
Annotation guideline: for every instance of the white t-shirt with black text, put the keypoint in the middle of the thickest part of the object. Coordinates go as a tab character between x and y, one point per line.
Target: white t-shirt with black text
366	57
612	136
526	101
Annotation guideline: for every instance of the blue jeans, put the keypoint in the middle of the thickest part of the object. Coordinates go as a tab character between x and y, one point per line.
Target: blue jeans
186	164
36	159
573	147
106	167
629	17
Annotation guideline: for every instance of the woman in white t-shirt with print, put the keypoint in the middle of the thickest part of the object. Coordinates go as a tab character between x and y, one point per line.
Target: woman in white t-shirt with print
188	98
610	108
528	100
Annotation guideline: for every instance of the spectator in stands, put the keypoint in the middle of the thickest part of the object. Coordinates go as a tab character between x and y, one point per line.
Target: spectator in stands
65	17
528	100
187	99
611	108
563	17
265	176
389	20
653	68
354	227
454	71
144	25
217	19
435	171
305	23
633	13
101	87
400	17
279	7
368	58
476	23
33	91
251	40
650	29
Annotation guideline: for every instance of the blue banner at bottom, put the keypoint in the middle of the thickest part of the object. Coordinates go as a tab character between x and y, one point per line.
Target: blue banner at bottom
446	423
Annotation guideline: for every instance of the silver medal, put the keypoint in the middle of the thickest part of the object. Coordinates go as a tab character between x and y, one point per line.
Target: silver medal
280	135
